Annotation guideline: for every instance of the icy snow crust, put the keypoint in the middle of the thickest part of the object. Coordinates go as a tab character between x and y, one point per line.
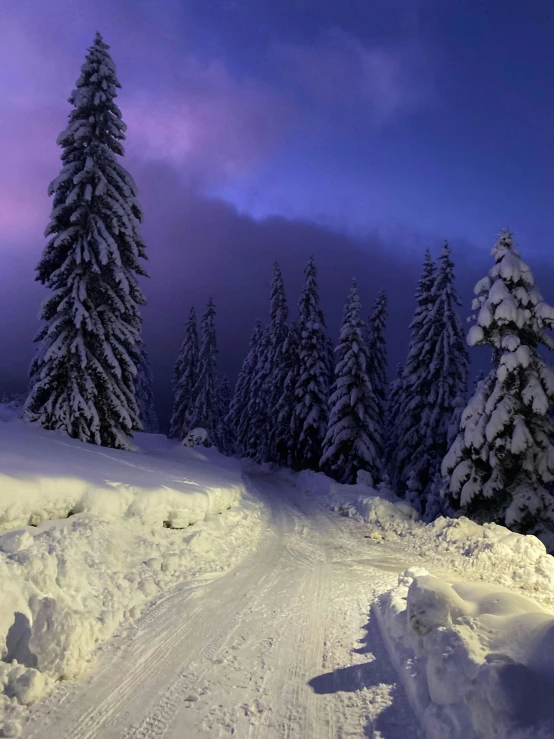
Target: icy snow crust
66	584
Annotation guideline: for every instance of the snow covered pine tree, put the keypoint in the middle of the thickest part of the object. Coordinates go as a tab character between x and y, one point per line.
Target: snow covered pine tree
82	378
283	437
185	377
309	423
241	396
409	412
502	460
392	414
225	437
377	367
353	440
278	365
442	387
144	393
205	413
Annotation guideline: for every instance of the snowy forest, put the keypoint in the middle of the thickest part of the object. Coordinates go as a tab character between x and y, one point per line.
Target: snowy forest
303	399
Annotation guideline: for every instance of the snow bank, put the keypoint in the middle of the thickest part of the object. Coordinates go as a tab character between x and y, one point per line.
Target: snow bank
66	583
485	552
45	475
476	660
377	506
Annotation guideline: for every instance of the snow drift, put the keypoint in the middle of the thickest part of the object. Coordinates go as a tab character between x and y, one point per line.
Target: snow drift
476	660
93	534
486	552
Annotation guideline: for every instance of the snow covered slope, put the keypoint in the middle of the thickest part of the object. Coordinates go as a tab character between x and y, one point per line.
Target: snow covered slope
90	535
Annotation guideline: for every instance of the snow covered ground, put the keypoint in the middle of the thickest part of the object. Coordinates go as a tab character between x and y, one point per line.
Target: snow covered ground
275	618
474	652
89	536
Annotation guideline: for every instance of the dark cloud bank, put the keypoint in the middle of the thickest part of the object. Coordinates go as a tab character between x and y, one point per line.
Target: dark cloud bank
200	247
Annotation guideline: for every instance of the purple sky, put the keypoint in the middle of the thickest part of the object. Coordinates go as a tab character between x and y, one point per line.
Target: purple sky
361	131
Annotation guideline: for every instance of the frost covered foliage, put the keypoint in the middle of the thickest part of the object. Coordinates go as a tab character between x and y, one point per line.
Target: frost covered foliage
241	396
283	418
502	460
312	385
184	380
225	436
392	415
205	412
82	378
278	367
377	363
257	429
353	441
433	392
253	426
408	409
145	394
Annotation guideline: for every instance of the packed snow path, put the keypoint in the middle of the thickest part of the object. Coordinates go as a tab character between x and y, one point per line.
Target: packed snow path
283	646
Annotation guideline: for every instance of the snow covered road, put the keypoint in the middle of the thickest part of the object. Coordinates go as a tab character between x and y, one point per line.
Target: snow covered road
281	646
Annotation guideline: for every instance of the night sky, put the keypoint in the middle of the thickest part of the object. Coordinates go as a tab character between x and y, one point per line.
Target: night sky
359	130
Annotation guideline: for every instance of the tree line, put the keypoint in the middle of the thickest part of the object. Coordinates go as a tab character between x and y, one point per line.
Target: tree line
299	400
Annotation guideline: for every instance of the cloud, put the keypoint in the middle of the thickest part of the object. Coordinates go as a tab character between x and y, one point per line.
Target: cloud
194	115
210	125
339	70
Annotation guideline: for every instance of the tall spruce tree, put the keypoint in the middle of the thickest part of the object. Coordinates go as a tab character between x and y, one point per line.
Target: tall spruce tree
225	437
185	377
502	461
377	367
286	426
353	440
144	393
312	385
439	387
392	416
268	379
252	430
82	378
410	407
241	396
205	413
278	366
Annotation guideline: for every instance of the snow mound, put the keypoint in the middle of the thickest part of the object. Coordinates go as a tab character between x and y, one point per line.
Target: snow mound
129	525
484	552
476	660
160	482
492	552
378	506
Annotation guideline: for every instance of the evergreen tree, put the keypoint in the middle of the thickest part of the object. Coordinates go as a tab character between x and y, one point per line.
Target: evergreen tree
392	415
287	428
225	437
224	396
205	413
278	367
377	367
241	396
440	387
502	461
410	406
268	378
312	385
253	425
82	378
350	443
185	377
144	394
